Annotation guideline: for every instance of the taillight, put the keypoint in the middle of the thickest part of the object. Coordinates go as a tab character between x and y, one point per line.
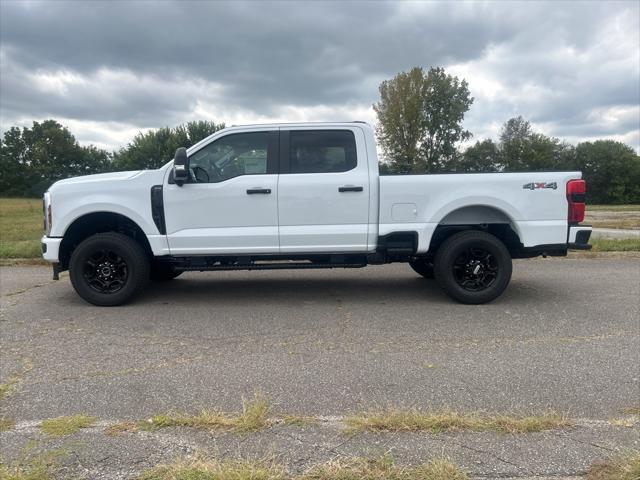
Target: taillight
576	192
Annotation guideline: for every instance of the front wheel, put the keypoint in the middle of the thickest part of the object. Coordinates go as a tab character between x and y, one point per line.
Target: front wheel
108	269
473	267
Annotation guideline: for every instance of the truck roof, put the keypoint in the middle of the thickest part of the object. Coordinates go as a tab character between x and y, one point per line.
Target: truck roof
298	124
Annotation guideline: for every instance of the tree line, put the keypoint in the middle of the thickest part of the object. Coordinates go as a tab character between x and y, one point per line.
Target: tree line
420	116
32	158
419	130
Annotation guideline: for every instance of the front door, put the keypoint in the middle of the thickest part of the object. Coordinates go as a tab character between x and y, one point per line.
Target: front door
230	204
323	191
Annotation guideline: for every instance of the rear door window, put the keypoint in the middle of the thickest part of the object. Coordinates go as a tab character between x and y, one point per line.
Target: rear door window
322	151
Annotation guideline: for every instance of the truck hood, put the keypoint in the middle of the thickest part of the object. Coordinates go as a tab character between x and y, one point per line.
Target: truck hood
99	177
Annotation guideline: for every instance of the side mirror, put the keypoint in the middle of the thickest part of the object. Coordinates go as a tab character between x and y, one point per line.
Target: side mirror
181	166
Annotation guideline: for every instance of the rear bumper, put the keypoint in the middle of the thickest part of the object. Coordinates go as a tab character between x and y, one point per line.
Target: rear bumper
50	248
579	237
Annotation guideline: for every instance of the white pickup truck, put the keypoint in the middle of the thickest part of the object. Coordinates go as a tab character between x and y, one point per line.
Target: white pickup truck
304	196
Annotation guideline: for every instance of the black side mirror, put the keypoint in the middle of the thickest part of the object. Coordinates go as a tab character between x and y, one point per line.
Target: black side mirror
181	166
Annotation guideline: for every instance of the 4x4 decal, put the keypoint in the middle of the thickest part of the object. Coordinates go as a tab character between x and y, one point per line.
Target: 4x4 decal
537	185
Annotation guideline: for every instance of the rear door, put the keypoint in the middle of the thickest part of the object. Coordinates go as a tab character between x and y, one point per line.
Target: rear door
230	205
323	190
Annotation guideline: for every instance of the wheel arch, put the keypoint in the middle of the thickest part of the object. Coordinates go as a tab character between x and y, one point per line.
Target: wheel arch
488	217
99	222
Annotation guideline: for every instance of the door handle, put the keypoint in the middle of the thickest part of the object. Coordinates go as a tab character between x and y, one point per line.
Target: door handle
253	191
350	188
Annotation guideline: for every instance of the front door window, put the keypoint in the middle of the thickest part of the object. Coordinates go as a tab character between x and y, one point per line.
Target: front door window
230	156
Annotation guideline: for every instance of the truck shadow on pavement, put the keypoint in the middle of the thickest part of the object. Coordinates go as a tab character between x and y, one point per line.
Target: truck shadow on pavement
190	290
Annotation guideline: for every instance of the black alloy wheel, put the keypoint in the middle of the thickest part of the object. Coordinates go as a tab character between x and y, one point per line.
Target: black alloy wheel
105	271
473	267
109	269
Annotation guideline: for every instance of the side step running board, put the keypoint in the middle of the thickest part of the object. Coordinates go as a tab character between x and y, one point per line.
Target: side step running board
263	266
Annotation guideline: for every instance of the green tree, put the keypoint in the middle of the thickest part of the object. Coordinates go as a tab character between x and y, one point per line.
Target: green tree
420	119
483	156
522	149
14	171
34	158
611	170
156	147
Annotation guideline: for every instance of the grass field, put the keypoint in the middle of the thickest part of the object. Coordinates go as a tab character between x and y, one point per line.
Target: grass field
613	216
21	227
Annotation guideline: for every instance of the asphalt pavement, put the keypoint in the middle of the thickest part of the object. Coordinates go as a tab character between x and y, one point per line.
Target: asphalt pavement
564	336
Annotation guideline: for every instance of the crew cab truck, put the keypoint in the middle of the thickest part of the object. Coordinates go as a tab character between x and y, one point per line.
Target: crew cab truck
304	196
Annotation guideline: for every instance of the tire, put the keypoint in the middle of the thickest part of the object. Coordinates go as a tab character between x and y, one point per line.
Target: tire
162	273
473	267
109	269
422	267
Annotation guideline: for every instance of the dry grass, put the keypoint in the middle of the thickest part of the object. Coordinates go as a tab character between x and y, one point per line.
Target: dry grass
8	387
206	419
254	417
615	245
24	472
614	208
63	426
631	410
394	420
622	422
254	414
121	428
29	466
382	468
213	470
20	227
613	216
622	467
6	424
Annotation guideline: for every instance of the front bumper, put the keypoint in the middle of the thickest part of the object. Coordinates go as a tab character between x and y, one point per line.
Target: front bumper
50	248
579	237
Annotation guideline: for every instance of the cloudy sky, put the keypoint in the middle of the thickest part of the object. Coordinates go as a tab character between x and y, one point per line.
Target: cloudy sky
110	69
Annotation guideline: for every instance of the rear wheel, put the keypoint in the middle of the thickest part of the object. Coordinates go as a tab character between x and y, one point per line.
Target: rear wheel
473	267
108	269
422	267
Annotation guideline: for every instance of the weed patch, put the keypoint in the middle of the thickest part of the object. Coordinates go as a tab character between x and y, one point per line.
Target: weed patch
212	470
254	414
121	428
32	466
631	411
8	387
622	467
63	426
254	417
6	424
615	245
206	419
394	420
382	468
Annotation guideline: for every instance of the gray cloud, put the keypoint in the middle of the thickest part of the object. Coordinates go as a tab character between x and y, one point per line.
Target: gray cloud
566	66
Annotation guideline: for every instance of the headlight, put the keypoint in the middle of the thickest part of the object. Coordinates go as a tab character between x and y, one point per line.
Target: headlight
46	207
